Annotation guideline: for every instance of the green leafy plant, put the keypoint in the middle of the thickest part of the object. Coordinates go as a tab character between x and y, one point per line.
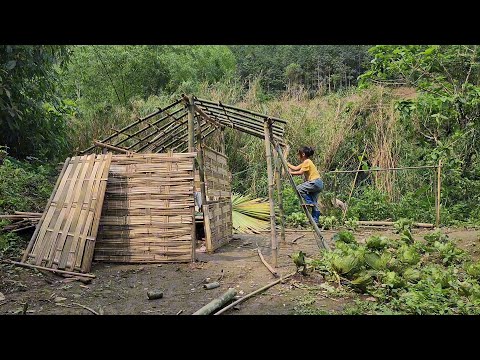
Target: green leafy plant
328	222
351	224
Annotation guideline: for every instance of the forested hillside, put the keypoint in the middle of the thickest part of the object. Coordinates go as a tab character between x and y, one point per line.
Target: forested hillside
387	106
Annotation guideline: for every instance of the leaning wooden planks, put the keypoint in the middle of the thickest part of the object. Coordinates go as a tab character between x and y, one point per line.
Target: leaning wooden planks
65	235
148	213
220	224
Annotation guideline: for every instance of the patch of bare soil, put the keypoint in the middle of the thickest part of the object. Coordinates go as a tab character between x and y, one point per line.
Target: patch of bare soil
122	288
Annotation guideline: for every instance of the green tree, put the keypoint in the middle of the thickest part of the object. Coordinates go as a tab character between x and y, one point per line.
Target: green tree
443	118
31	110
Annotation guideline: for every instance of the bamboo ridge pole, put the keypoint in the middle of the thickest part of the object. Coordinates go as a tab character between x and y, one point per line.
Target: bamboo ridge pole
245	110
271	184
111	147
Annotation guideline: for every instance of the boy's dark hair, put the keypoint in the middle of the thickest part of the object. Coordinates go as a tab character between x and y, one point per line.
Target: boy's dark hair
307	150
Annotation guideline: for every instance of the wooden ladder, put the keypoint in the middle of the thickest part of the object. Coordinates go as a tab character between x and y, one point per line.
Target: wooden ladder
321	243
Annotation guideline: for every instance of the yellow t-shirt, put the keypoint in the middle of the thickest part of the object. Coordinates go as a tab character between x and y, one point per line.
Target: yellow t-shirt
310	170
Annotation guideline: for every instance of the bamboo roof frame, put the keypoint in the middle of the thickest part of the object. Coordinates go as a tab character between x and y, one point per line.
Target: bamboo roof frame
167	128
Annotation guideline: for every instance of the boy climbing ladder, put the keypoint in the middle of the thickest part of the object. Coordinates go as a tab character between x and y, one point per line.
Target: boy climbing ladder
312	186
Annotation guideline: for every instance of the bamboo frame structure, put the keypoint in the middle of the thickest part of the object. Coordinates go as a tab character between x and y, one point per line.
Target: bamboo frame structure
183	126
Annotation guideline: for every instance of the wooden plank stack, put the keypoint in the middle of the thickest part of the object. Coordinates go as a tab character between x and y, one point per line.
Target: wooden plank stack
148	213
218	223
65	236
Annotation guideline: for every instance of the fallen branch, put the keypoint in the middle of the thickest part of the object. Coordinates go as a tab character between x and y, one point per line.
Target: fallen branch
272	270
391	223
87	308
298	238
216	303
49	269
254	293
178	313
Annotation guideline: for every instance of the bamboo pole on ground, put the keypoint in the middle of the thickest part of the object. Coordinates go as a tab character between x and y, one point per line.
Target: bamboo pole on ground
271	184
278	181
216	303
283	278
437	205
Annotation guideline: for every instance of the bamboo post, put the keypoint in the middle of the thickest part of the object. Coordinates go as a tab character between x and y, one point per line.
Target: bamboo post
271	184
280	197
439	182
191	125
201	171
354	181
222	139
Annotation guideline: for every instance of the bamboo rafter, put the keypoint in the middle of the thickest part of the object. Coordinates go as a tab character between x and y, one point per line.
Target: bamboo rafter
167	127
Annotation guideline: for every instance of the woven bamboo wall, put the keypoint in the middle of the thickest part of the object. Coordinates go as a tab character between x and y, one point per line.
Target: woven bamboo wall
218	226
148	210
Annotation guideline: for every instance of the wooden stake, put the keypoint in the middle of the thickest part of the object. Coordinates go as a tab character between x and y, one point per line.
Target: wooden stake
272	270
271	185
439	182
191	125
254	293
354	181
280	198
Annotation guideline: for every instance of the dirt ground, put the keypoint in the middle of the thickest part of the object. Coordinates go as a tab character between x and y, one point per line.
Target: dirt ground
122	289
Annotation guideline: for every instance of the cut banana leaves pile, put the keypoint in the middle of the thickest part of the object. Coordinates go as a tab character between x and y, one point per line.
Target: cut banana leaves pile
249	216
